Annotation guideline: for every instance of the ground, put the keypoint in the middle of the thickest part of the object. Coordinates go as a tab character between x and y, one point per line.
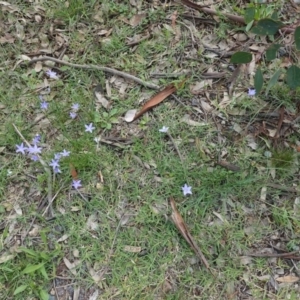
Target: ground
87	195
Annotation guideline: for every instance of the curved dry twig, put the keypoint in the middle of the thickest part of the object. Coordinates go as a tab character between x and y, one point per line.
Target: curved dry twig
95	67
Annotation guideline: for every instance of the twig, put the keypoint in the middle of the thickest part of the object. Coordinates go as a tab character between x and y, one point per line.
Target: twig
45	166
49	204
95	67
282	188
283	255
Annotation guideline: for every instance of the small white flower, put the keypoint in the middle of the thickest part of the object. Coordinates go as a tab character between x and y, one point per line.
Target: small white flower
187	190
164	129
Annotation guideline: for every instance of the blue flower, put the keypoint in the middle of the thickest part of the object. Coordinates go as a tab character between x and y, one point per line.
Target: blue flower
34	149
251	92
89	128
44	105
75	107
65	153
54	164
73	115
76	184
186	190
21	148
52	74
36	139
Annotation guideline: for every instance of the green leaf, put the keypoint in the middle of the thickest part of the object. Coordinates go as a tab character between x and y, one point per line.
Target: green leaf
241	57
20	289
32	268
28	251
266	27
42	270
44	295
293	77
271	51
258	81
297	37
249	14
273	80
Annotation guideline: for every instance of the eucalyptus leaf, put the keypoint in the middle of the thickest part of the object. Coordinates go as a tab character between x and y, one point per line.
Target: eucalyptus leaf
293	77
273	80
258	81
249	14
271	51
241	58
297	37
267	27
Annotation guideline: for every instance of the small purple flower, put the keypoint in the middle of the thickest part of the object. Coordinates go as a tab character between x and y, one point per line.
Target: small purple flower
186	190
21	148
251	92
34	157
73	115
54	164
57	156
76	184
44	105
34	149
75	107
56	170
89	128
52	74
164	129
65	153
36	139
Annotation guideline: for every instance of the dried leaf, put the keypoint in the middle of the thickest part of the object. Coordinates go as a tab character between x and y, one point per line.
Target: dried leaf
186	119
73	172
137	19
132	249
181	226
288	279
101	99
156	99
5	257
129	117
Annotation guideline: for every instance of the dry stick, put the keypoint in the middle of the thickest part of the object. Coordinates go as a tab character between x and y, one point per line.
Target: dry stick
43	163
105	69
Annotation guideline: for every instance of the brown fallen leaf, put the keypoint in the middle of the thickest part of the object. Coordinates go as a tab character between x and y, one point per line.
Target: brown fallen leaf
73	172
170	89
181	226
288	279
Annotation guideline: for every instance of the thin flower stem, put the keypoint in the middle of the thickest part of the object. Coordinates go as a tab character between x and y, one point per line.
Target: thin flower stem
45	166
179	154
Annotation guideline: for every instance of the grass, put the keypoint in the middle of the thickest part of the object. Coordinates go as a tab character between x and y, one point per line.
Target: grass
92	228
